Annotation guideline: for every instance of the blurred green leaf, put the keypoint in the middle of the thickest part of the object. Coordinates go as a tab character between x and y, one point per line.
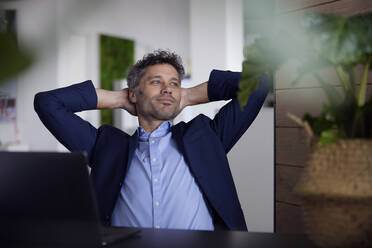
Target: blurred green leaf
309	64
338	39
327	136
363	84
248	85
262	57
334	98
13	59
319	123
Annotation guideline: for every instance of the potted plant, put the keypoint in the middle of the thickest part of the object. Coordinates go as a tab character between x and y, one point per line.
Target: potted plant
336	185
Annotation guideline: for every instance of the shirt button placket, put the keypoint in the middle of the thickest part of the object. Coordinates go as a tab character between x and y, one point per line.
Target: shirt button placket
155	168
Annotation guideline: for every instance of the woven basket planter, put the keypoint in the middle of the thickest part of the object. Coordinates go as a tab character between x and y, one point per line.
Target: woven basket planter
336	191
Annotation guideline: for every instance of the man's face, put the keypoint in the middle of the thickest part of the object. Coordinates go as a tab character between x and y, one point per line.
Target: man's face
159	93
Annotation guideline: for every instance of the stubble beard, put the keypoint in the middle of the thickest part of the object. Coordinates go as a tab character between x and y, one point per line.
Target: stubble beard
160	114
155	112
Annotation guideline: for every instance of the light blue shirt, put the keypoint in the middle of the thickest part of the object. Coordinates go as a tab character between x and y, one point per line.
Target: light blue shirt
159	190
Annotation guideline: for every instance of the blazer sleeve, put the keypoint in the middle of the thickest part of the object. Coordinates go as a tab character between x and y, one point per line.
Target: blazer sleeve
231	121
57	108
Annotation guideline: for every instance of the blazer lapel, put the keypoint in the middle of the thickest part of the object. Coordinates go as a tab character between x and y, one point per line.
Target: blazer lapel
133	141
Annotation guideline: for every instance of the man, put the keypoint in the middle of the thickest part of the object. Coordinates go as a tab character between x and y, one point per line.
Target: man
164	175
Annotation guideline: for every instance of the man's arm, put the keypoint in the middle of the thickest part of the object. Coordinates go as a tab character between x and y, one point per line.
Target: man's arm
57	108
231	121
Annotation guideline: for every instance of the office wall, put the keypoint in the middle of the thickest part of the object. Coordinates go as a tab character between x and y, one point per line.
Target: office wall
291	146
252	166
217	43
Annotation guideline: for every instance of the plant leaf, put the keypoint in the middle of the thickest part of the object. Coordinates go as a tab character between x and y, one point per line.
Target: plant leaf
334	98
247	86
263	56
318	124
327	137
12	59
340	40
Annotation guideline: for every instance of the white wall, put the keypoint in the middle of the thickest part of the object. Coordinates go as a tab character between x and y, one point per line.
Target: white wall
252	165
217	43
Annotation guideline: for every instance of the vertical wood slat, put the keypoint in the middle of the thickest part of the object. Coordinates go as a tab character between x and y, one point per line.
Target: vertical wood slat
288	218
292	146
286	179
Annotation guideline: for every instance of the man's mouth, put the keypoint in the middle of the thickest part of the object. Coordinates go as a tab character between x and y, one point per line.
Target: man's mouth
166	100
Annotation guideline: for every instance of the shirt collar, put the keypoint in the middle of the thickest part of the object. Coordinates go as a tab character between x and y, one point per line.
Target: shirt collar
161	131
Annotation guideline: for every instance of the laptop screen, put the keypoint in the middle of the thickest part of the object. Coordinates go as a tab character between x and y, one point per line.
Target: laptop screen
47	197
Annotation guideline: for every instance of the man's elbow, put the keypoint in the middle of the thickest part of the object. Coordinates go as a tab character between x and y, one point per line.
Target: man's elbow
40	101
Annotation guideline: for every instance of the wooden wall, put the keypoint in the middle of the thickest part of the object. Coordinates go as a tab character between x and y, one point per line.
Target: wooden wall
291	147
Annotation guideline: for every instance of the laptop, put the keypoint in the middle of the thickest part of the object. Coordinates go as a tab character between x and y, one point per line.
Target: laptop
46	198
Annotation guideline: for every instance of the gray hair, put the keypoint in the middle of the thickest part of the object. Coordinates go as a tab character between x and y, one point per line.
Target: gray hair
137	70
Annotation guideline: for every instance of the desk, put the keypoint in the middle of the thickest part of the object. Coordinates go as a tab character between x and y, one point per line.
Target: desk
219	239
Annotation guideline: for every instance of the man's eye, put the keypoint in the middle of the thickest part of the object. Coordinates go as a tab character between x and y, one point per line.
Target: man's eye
155	82
174	84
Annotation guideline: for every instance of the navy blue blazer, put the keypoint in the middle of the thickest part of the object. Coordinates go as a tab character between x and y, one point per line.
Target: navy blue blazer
203	142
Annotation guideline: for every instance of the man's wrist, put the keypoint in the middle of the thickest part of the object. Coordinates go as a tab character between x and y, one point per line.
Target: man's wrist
122	98
110	99
185	101
198	94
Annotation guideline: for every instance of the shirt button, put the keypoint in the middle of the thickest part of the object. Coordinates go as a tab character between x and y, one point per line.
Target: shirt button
157	227
154	159
155	180
152	141
156	203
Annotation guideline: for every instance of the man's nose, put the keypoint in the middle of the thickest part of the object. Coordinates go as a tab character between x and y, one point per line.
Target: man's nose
166	89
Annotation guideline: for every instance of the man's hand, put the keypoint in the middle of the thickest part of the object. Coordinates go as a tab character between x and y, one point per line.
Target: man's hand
184	99
127	104
115	99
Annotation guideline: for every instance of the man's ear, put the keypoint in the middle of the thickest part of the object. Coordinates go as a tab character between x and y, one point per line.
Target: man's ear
132	96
